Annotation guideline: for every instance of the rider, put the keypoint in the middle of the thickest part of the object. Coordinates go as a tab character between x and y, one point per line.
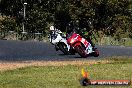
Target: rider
72	28
89	39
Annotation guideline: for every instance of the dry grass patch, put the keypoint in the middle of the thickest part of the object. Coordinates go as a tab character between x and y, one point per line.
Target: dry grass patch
13	65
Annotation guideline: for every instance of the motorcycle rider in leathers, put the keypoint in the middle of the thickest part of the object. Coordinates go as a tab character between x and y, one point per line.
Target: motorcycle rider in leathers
75	27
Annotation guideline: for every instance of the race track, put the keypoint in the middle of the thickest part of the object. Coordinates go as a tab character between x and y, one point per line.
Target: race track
29	50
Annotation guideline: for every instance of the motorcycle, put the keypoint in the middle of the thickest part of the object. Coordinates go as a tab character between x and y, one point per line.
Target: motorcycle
82	46
59	40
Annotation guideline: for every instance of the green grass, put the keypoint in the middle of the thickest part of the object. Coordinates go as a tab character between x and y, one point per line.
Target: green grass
112	41
63	76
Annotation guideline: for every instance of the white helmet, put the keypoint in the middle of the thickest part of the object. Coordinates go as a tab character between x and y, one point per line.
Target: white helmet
52	28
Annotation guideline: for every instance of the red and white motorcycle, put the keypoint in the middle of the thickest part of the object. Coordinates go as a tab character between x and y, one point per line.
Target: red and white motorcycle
82	46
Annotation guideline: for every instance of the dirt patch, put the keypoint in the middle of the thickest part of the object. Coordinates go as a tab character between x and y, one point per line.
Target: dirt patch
13	65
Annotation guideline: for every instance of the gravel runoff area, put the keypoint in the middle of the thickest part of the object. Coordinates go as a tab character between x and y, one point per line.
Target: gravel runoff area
14	65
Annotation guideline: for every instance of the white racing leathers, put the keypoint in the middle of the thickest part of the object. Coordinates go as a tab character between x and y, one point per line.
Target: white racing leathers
55	37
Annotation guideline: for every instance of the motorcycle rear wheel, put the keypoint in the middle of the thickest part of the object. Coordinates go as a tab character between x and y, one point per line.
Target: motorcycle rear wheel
96	53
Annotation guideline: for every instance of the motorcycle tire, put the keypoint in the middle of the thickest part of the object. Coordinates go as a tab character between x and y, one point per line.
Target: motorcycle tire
81	51
63	48
96	53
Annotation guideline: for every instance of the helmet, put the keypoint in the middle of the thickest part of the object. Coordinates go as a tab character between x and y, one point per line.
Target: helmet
52	28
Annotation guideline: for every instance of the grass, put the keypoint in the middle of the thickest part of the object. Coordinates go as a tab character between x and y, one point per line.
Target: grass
112	41
65	76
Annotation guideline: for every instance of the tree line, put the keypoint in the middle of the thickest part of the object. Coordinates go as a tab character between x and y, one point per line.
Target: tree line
112	17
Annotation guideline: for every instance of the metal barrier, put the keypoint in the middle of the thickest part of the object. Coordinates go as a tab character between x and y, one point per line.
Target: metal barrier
11	35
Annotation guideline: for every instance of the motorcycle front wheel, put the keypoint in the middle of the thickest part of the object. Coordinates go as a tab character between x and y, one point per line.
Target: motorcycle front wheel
81	51
63	48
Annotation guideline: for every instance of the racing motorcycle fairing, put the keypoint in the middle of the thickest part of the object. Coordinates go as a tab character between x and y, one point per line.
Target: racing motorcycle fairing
56	38
76	40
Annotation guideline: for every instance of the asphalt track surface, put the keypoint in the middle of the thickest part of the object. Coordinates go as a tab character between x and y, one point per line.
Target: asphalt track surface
30	50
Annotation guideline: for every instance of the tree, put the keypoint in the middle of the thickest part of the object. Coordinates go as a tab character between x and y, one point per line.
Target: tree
104	15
